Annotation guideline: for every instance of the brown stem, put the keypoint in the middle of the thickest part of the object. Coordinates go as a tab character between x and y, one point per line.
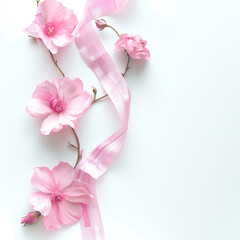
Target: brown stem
126	69
113	29
55	62
127	66
97	99
79	156
37	2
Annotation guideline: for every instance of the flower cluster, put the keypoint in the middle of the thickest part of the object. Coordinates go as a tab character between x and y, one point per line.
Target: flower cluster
61	103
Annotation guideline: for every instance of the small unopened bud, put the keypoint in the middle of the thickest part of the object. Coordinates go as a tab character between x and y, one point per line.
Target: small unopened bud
101	24
31	218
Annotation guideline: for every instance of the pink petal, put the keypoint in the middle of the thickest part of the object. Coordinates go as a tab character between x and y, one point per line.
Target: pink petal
79	105
63	174
121	42
69	213
51	124
38	108
146	54
69	24
43	180
67	88
52	10
62	40
76	193
32	30
67	120
41	202
45	91
51	221
47	40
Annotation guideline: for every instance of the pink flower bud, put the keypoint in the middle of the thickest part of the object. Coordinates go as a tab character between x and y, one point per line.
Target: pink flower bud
101	24
31	218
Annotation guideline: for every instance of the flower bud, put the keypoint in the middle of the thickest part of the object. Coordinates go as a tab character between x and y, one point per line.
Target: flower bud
101	24
31	218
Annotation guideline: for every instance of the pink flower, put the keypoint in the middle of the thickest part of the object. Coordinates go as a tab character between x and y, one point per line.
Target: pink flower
60	197
53	24
135	46
31	218
101	24
61	103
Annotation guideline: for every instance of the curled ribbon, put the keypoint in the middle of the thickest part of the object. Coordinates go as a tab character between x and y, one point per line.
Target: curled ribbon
98	161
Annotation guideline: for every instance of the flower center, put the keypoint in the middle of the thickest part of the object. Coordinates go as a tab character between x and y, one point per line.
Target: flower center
50	29
56	105
56	197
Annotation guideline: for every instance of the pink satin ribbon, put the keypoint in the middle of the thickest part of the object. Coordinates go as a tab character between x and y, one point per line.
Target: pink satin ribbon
98	161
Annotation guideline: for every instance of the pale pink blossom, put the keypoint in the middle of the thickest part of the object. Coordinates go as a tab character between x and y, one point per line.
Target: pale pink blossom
60	196
31	218
53	24
134	44
61	103
101	24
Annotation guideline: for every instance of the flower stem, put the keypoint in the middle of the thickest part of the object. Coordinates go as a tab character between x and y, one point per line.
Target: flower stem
127	66
113	30
56	64
37	2
126	69
79	155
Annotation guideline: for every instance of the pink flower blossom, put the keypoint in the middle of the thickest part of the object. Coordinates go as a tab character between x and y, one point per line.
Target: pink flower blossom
135	46
60	196
53	24
61	103
101	24
31	218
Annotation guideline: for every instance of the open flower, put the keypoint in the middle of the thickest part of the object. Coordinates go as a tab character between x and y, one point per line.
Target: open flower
60	197
53	24
134	44
61	103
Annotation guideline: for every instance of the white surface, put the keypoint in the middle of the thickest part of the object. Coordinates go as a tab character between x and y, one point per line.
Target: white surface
177	177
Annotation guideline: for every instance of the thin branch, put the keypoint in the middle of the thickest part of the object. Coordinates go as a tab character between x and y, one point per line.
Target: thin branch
79	155
97	99
127	66
113	29
55	62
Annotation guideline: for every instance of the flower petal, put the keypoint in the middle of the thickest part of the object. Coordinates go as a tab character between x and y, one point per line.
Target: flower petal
76	193
51	10
43	180
67	88
41	202
121	42
67	120
32	30
38	108
51	124
49	43
63	174
45	91
79	105
69	213
51	221
62	40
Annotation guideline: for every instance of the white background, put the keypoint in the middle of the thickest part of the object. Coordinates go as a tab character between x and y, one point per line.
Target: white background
177	177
